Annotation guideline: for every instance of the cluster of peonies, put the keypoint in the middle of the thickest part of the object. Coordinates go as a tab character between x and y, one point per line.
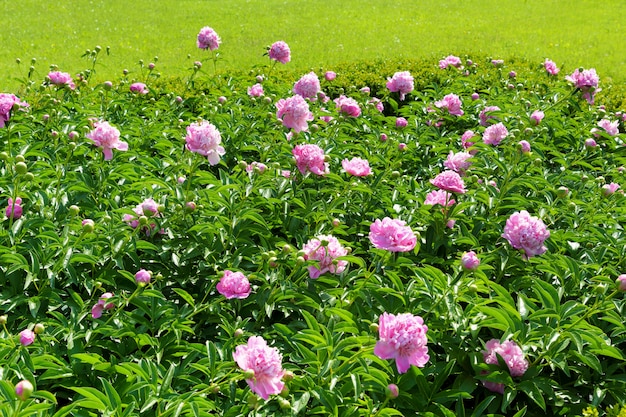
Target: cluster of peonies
325	249
294	113
7	103
402	337
511	354
392	234
61	79
527	233
101	305
234	285
107	138
310	158
203	138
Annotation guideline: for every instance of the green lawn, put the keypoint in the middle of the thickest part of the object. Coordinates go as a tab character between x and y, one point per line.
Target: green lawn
320	33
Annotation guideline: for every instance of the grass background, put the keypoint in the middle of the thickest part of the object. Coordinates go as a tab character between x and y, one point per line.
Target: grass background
320	32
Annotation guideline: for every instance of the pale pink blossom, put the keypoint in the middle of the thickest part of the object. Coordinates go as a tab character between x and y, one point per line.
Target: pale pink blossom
101	305
330	75
325	249
393	391
27	337
106	137
258	166
264	363
60	79
475	96
511	354
294	113
14	209
392	235
587	81
377	103
347	106
256	90
357	167
401	82
280	52
365	90
234	285
494	134
139	88
608	189
449	181
536	117
402	337
610	127
469	261
590	143
621	282
401	122
466	139
143	276
527	233
551	67
458	162
308	86
310	158
149	209
7	103
525	146
484	115
208	39
402	146
203	138
451	103
440	197
450	60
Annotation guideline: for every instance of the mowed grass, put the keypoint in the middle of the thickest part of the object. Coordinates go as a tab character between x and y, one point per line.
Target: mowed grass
321	33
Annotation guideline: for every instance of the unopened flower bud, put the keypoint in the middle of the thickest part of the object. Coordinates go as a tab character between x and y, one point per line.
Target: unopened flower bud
273	262
88	225
3	319
74	210
143	220
21	168
284	392
284	404
248	374
300	260
374	327
288	376
562	192
4	156
287	248
190	206
327	158
29	176
151	66
392	391
214	388
395	174
24	390
238	333
336	222
221	99
621	282
39	328
20	158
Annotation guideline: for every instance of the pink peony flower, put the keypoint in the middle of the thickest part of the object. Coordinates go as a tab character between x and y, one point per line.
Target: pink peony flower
148	208
494	134
608	189
294	113
525	145
551	67
458	162
101	305
587	81
308	86
475	96
469	261
393	391
450	60
325	249
611	128
511	354
590	143
203	138
365	90
441	197
465	139
310	158
449	181
536	117
139	88
256	90
484	116
106	137
24	389
280	52
264	363
143	277
348	106
60	79
401	122
27	337
7	103
208	39
621	282
392	235
527	233
451	103
401	82
14	209
357	167
403	338
260	166
330	75
377	103
234	285
402	146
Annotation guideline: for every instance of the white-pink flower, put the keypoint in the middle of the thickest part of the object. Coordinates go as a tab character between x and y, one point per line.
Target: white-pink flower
60	79
310	158
451	103
458	162
264	365
234	285
294	113
208	39
256	90
203	138
527	233
402	337
325	249
550	67
106	137
401	82
308	86
450	61
357	167
610	127
494	134
348	106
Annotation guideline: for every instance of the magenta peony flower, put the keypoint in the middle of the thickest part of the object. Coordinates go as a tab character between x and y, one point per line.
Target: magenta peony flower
294	113
325	249
511	354
101	305
310	158
357	167
403	338
7	103
392	235
401	122
208	39
458	162
27	337
469	261
551	67
203	138
14	209
347	106
525	145
484	116
611	128
449	181
256	90
393	391
308	86
61	79
401	82
264	363
234	285
139	88
280	52
527	233
441	197
24	389
451	103
106	137
143	277
330	75
587	81
494	134
450	61
536	117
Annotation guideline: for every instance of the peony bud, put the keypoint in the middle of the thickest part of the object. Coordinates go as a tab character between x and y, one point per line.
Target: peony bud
39	328
27	337
24	390
621	282
392	391
21	168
